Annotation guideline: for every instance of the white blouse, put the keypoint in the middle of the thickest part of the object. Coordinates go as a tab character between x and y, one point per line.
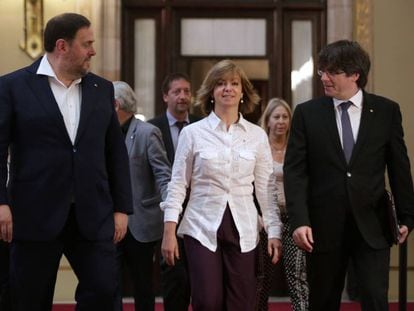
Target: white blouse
220	166
280	191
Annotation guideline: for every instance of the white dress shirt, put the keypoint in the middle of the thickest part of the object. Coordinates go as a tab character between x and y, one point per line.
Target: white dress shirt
67	98
221	166
175	132
354	112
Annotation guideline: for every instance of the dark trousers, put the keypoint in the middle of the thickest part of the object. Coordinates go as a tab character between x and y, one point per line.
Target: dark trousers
224	279
175	282
5	304
327	270
34	265
265	271
139	259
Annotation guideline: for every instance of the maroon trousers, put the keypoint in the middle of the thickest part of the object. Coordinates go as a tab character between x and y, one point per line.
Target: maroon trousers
224	279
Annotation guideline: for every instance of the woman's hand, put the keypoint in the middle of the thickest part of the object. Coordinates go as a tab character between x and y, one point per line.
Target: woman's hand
169	245
274	248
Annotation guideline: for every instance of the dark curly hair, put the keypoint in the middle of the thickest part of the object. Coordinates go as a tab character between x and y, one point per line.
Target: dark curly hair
347	56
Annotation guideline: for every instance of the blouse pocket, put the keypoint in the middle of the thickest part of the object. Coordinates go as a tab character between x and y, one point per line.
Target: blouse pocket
210	162
247	161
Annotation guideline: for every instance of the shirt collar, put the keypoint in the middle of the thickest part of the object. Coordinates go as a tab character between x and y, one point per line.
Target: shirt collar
46	69
356	100
214	121
172	120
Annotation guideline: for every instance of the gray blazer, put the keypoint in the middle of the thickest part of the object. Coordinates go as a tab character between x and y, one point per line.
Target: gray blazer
150	173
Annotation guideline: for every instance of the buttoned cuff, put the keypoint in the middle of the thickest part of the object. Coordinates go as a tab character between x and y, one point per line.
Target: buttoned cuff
171	214
274	232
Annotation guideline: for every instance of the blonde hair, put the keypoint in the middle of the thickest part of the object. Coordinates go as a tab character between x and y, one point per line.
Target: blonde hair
272	104
214	75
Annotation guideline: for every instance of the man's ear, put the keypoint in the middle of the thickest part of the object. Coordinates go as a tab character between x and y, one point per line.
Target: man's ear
355	76
61	45
165	98
117	105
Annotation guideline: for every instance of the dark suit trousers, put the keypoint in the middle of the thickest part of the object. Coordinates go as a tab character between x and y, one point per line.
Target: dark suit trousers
175	282
34	266
139	259
224	279
5	304
327	270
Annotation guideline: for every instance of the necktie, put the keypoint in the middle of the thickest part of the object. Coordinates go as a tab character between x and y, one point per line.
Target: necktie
180	125
347	136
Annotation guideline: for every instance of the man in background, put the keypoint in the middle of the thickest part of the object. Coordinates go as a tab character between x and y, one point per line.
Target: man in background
176	90
69	189
150	173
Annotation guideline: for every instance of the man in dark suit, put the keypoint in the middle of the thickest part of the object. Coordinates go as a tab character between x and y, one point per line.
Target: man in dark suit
150	173
339	148
5	303
69	189
176	90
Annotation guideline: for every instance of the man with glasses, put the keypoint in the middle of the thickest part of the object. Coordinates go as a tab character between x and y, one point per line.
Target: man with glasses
339	148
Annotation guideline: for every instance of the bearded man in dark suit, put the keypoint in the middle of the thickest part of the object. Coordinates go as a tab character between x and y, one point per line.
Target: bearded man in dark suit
69	189
339	149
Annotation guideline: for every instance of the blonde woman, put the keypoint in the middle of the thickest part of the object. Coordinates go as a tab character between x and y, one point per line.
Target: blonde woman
276	121
220	157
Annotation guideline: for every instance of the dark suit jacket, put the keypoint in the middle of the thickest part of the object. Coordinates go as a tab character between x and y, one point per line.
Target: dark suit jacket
161	122
320	186
47	171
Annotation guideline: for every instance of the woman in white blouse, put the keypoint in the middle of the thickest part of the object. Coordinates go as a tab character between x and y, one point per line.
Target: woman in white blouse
219	158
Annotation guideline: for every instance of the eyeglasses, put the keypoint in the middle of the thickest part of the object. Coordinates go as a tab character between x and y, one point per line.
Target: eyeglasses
330	73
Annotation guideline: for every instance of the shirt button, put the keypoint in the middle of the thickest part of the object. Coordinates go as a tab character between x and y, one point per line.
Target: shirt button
348	174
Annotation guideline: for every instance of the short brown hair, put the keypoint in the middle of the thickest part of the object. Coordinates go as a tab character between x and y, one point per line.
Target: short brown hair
63	26
170	78
217	72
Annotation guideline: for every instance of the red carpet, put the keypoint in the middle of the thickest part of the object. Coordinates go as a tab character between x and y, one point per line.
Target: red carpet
273	306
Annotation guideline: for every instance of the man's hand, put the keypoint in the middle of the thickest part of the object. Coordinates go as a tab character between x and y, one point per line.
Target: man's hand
274	248
303	238
6	223
403	234
169	245
121	225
